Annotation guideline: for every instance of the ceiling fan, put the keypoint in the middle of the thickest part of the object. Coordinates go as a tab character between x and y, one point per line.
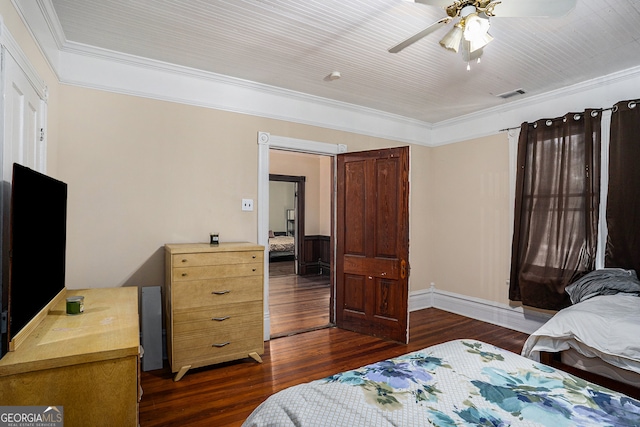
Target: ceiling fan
471	33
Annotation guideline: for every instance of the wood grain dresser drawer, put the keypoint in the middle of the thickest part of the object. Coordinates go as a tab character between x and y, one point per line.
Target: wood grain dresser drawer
218	271
204	352
214	304
225	258
216	292
208	321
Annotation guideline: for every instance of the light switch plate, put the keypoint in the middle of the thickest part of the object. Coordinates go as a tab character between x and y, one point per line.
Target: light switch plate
247	204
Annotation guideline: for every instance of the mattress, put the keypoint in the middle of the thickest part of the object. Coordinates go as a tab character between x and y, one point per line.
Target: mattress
604	326
598	366
281	244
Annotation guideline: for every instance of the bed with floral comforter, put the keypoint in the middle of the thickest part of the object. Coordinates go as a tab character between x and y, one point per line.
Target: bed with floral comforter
458	383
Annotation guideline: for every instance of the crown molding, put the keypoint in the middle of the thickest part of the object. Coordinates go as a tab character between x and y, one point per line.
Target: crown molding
601	92
91	67
95	68
115	72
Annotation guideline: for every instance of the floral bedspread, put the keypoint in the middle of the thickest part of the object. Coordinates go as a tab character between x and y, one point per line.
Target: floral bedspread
458	383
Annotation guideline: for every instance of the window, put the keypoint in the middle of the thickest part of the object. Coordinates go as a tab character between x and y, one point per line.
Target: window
556	207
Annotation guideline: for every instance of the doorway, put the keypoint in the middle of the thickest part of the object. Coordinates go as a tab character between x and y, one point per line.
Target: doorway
268	143
299	252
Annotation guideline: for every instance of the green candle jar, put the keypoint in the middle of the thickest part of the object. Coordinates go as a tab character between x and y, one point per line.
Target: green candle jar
75	305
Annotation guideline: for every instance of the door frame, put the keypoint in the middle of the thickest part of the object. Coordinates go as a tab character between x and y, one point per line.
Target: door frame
299	182
266	141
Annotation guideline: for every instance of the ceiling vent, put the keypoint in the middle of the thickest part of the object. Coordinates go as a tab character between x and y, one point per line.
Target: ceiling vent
511	93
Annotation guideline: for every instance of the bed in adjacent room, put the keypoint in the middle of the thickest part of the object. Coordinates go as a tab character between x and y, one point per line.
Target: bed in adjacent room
458	383
281	246
599	334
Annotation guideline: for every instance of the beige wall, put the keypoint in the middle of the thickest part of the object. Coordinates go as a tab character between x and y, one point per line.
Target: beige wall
317	172
420	199
143	173
469	221
281	199
324	196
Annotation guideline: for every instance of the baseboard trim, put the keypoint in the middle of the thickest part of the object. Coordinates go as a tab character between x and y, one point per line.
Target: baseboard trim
517	318
267	327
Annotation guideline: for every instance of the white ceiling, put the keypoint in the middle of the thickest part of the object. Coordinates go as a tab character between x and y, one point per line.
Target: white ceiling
295	45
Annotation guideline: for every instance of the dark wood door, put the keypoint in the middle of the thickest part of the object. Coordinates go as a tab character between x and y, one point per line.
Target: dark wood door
373	243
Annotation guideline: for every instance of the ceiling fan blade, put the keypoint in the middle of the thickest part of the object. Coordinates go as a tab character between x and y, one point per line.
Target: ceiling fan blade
533	8
411	40
438	3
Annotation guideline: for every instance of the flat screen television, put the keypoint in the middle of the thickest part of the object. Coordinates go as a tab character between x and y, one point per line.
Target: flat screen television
38	236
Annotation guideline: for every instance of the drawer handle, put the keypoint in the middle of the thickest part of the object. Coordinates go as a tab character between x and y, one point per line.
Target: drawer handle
222	344
184	260
253	269
221	319
254	257
184	274
220	292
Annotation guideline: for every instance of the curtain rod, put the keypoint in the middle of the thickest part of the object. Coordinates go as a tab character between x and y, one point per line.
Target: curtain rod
632	104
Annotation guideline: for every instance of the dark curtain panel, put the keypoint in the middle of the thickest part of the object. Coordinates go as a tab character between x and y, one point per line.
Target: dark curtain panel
556	208
623	200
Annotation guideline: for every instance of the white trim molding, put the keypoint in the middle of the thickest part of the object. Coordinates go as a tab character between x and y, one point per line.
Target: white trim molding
517	318
29	149
601	92
267	141
13	48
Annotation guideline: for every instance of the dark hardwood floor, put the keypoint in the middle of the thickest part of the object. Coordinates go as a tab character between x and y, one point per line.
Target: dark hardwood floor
224	395
296	303
281	268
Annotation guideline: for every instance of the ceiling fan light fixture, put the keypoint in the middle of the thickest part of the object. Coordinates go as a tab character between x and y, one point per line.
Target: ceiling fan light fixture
468	10
475	26
479	42
469	55
476	32
471	33
452	39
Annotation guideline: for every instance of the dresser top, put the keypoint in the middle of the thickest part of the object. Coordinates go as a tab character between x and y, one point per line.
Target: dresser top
108	329
184	248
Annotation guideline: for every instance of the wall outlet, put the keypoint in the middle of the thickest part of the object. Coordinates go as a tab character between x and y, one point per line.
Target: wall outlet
247	204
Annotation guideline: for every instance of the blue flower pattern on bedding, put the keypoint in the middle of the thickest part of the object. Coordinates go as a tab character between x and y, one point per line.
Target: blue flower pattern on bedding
384	381
498	398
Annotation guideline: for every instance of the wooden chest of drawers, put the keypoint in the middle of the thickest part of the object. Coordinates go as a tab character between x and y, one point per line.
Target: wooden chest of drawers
213	304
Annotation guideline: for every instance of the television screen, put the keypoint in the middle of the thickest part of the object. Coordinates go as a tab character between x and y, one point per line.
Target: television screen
37	246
